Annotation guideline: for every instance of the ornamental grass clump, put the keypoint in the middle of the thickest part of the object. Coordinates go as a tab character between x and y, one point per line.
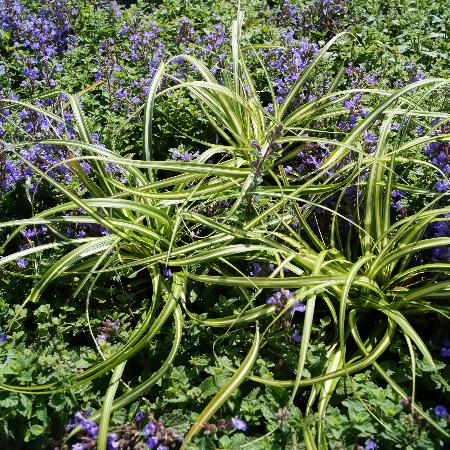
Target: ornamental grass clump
328	237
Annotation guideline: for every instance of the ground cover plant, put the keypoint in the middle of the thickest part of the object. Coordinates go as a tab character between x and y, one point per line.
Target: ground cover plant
224	234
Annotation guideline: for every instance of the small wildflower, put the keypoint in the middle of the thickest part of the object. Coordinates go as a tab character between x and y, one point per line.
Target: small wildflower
298	307
3	338
166	272
441	411
149	429
106	329
256	269
239	424
78	446
370	445
296	337
442	186
152	442
102	338
371	79
112	441
445	349
21	262
90	427
139	416
370	138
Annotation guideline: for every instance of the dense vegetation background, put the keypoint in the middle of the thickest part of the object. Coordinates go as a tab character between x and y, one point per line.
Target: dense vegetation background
108	55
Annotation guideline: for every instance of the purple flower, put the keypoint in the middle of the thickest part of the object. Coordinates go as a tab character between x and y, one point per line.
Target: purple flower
350	104
371	79
32	74
112	442
370	138
68	116
139	416
78	446
397	194
30	233
288	170
107	328
90	427
370	445
189	156
115	325
77	418
239	424
442	186
21	262
102	337
162	447
256	269
152	442
296	337
441	253
445	350
166	272
419	76
441	411
149	429
298	307
3	338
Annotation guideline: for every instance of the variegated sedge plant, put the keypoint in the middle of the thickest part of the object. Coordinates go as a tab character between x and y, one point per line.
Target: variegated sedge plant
150	216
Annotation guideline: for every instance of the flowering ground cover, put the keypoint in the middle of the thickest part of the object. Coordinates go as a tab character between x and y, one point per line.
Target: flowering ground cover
224	225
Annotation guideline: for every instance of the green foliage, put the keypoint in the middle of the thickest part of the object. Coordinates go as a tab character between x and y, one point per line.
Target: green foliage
203	343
